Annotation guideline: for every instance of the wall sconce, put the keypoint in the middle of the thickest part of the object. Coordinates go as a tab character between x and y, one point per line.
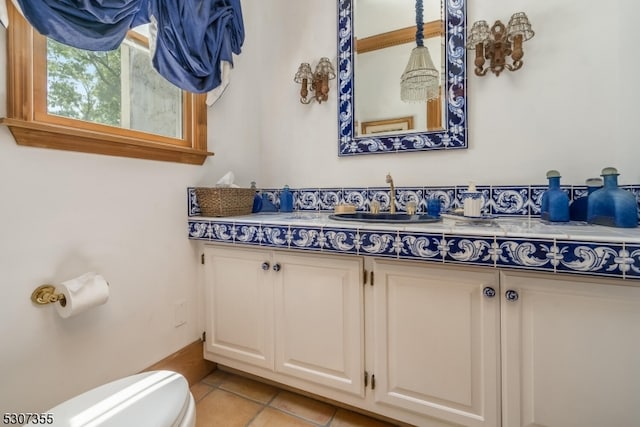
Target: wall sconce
498	43
317	82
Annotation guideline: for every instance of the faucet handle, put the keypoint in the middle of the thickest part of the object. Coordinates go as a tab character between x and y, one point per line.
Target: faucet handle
411	207
375	206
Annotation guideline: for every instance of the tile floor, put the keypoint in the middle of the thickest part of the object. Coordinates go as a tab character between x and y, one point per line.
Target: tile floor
228	400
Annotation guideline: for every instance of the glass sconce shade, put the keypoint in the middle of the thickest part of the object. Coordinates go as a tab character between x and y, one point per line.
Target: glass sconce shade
325	68
479	34
519	25
420	80
304	72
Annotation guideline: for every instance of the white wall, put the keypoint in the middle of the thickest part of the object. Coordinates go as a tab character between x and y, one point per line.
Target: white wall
64	213
572	108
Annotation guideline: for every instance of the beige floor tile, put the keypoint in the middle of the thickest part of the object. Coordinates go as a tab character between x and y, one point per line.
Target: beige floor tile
222	409
304	407
200	390
215	378
272	418
248	388
351	419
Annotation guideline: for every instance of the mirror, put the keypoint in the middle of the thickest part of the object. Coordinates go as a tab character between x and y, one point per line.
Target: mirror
371	116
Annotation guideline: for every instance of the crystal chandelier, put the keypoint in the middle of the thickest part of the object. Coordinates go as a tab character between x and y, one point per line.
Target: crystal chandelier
419	82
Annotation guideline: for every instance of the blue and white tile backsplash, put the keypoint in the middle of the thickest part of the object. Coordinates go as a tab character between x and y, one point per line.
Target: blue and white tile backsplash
512	200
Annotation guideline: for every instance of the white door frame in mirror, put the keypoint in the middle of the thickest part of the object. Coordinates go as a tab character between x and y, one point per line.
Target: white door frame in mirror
454	134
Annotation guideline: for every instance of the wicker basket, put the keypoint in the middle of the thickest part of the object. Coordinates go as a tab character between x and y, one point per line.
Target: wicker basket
225	201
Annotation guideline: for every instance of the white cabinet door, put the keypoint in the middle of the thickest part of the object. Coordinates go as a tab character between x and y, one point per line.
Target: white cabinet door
437	342
571	353
239	305
319	331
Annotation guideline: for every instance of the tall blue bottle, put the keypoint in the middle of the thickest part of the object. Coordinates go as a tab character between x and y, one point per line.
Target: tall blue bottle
555	202
611	205
286	200
578	208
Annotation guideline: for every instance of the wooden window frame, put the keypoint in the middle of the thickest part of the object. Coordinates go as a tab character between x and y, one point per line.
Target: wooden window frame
31	126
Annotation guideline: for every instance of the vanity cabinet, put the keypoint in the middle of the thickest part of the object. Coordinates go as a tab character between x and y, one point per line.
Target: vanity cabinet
428	344
298	316
437	342
570	352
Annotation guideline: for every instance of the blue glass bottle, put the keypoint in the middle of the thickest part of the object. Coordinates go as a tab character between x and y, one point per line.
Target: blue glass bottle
578	208
555	202
434	206
286	200
611	205
257	199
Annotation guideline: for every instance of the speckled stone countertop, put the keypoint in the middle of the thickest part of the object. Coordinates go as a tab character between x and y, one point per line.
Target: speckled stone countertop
507	242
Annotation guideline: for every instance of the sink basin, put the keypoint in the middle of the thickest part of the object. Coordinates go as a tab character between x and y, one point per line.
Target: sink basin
383	217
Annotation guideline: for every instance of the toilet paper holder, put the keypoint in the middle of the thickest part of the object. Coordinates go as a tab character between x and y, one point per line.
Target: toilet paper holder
46	294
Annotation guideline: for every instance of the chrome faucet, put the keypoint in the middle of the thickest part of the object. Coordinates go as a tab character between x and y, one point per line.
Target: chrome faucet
392	194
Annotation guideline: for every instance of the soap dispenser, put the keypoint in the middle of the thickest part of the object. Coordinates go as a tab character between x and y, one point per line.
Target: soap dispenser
286	200
555	202
472	202
578	207
611	205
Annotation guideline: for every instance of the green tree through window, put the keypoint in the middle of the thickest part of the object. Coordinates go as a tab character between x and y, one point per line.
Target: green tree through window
84	85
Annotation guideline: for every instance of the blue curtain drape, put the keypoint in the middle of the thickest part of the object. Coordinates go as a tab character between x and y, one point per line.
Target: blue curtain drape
193	36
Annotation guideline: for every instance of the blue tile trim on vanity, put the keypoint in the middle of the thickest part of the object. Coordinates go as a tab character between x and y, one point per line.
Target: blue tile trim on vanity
593	258
475	250
421	246
615	259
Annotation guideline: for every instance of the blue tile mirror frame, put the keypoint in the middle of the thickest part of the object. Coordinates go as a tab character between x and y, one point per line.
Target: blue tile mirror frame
454	132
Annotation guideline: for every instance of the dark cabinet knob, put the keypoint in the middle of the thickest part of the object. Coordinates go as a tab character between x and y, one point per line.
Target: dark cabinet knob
511	295
276	267
265	266
489	292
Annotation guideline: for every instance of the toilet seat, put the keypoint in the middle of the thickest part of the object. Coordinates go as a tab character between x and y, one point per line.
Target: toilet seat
155	398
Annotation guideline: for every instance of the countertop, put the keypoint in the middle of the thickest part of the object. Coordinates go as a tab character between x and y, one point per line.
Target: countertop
511	242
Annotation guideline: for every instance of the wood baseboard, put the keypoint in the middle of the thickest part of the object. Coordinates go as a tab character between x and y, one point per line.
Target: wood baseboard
188	361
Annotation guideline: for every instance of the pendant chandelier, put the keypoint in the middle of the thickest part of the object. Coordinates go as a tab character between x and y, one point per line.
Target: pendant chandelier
419	82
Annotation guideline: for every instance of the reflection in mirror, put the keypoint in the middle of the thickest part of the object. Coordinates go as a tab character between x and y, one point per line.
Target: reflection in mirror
375	40
382	48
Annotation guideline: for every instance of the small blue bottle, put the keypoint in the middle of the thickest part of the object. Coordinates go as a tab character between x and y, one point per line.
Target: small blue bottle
434	205
611	205
555	202
578	208
286	200
257	199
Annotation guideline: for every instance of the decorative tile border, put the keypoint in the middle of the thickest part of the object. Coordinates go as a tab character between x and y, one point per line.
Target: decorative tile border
476	250
616	260
497	200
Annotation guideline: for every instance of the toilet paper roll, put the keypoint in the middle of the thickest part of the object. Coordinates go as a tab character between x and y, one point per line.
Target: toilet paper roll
82	293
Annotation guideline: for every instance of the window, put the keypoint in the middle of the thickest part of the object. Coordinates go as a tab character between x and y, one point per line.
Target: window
139	116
